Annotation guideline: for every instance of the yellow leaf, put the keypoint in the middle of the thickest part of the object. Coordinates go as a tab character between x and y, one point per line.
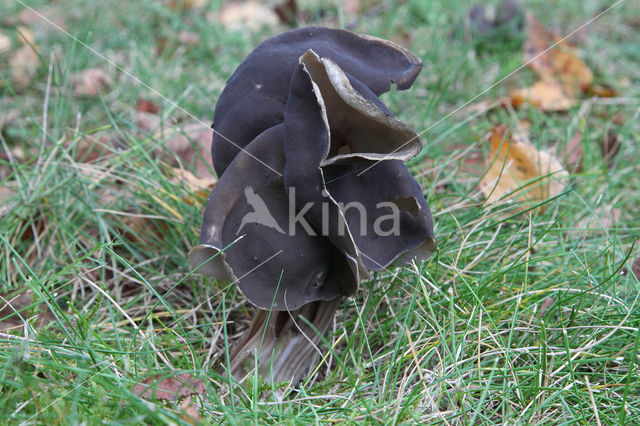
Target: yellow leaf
561	63
519	172
547	95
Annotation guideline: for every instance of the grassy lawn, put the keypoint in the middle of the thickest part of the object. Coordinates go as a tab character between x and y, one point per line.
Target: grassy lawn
519	318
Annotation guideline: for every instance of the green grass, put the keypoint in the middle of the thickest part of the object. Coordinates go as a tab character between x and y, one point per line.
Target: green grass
517	318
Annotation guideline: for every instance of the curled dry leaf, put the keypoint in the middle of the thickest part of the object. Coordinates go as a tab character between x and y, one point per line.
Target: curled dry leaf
91	81
559	67
575	153
610	147
547	95
250	15
520	172
145	105
561	63
173	388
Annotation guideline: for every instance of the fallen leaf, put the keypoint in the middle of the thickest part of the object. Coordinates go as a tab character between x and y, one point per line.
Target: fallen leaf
190	142
91	82
199	187
519	172
190	411
547	95
193	182
545	305
21	301
173	388
250	15
182	5
575	153
604	217
92	147
602	91
188	38
144	230
25	36
287	12
560	62
145	105
24	61
352	7
619	118
5	43
610	147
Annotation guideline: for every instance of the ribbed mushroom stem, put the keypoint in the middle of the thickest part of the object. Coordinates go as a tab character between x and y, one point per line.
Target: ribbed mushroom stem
287	346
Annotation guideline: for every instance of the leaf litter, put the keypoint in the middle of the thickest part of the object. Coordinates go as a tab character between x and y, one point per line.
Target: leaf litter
518	171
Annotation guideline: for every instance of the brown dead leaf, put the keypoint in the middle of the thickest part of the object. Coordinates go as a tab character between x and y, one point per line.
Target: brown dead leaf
5	43
173	388
193	182
545	305
519	171
24	61
250	15
610	147
561	63
23	64
183	5
602	91
200	187
287	12
190	142
575	153
547	95
145	105
91	82
190	411
21	301
93	147
144	230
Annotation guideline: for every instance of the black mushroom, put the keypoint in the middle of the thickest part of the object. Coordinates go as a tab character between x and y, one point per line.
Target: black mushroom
312	191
